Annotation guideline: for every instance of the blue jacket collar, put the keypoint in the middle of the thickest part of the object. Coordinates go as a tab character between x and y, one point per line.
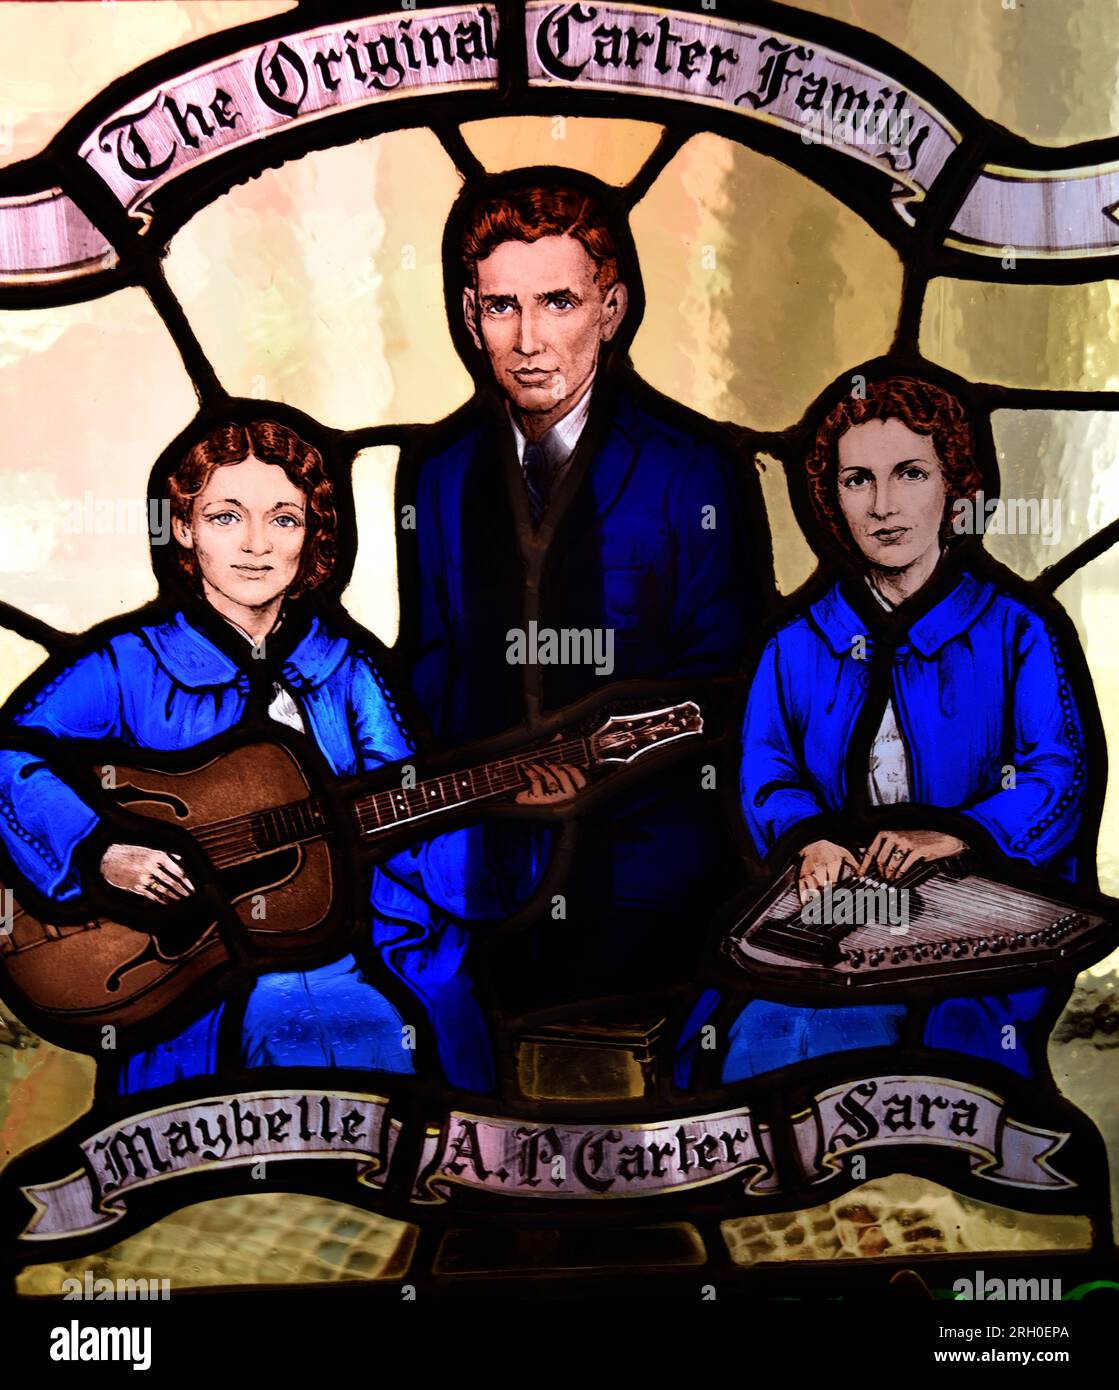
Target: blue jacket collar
837	622
192	660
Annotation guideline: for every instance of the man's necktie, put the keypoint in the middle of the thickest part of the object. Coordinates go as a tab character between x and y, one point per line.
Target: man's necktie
538	480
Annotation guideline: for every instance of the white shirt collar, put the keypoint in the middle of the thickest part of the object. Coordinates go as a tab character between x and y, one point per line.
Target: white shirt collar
559	442
877	592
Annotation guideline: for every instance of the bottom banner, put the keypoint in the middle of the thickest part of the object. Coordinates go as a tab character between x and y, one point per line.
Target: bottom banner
223	1132
883	1111
623	1160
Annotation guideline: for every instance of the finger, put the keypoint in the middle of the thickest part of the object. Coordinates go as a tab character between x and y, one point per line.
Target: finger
885	855
894	860
871	852
810	888
164	891
558	787
575	776
911	860
171	873
848	861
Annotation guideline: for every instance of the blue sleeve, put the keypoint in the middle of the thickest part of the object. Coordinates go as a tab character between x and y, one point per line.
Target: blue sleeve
1038	817
42	820
773	787
716	596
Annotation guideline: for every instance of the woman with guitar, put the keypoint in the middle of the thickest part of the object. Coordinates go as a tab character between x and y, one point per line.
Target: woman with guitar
919	708
254	522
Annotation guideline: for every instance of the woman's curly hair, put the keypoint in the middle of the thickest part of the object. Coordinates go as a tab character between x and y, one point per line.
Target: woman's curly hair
303	465
925	409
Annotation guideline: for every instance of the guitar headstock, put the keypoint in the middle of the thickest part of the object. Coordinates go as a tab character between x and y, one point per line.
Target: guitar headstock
624	737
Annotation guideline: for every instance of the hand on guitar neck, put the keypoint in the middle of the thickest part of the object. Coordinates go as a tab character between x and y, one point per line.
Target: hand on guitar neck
550	783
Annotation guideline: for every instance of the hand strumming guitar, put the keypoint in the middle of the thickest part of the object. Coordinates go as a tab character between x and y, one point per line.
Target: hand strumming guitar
159	876
151	873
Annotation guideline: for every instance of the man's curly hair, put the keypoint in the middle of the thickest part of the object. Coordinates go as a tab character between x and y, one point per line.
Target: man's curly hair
303	465
925	409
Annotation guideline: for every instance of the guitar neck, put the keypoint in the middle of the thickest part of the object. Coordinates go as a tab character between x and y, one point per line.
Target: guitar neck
382	811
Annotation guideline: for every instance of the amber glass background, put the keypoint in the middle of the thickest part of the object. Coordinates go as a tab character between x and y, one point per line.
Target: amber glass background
319	284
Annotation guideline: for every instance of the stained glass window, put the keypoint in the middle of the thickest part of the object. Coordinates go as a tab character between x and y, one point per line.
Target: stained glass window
555	600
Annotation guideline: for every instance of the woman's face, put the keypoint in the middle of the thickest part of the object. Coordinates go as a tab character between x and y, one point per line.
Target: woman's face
247	530
891	492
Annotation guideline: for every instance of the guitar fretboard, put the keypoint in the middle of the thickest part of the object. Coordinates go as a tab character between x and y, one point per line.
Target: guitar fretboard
620	739
401	804
233	841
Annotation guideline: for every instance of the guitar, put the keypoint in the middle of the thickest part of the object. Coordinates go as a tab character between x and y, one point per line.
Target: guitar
263	849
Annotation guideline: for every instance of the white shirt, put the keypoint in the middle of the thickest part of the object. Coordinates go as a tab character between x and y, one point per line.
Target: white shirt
283	708
888	773
558	443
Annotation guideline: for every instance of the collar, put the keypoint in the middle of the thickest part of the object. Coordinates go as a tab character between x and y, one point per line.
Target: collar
837	622
557	443
192	660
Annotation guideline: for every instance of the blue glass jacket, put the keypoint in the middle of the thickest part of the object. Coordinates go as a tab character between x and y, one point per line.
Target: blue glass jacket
654	545
979	684
167	686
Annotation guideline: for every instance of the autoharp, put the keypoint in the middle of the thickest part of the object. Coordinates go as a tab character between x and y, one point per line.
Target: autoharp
942	919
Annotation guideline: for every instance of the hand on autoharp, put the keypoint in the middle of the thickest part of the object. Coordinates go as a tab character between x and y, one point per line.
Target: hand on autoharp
822	862
893	853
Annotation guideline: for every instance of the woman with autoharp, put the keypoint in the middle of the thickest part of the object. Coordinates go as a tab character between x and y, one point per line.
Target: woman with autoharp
920	708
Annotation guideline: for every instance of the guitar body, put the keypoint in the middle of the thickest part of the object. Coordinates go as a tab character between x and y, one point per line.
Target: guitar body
69	978
258	842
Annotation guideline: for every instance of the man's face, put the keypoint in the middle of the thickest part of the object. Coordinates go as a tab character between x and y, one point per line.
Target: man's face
541	319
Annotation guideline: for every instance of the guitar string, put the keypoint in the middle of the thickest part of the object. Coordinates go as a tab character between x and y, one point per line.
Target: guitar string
233	839
960	913
212	832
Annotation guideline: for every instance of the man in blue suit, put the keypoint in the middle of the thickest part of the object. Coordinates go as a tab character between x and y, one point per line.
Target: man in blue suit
568	498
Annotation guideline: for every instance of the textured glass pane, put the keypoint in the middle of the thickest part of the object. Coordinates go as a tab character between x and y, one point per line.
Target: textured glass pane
271	1238
1045	71
320	283
68	51
42	1088
612	150
371	595
18	658
74	545
897	1216
1057	337
717	232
